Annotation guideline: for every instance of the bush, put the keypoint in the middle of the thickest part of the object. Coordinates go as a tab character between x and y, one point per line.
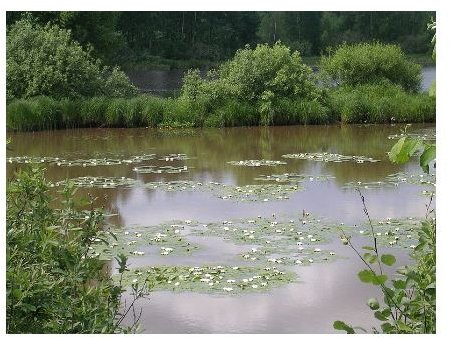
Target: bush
93	110
52	284
257	77
370	63
382	103
44	60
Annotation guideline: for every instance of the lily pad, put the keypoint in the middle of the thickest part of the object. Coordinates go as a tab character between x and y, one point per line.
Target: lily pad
330	157
150	169
256	163
230	280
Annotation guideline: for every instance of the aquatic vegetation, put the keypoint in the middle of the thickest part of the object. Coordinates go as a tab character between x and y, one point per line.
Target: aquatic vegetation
175	157
151	169
328	157
293	178
394	180
256	193
230	280
81	162
168	237
100	182
393	232
277	240
256	163
425	135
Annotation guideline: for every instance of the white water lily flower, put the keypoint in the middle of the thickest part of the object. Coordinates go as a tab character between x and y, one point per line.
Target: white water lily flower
226	228
310	236
291	221
265	200
298	261
408	236
317	250
301	248
303	222
138	235
251	237
302	238
378	233
227	289
134	281
263	284
412	246
361	231
313	240
332	253
299	243
254	286
268	242
235	267
126	233
211	284
177	283
245	280
254	250
188	221
310	260
205	280
231	281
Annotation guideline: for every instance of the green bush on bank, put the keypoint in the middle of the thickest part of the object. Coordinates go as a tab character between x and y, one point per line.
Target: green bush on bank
382	103
370	63
45	60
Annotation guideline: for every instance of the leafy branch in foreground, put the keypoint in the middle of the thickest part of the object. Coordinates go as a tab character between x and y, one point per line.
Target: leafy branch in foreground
410	304
52	284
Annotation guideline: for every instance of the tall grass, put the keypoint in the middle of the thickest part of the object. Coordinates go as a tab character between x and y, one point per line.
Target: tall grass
382	103
370	103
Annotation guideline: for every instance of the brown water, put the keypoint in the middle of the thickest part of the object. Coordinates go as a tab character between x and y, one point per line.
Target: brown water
326	292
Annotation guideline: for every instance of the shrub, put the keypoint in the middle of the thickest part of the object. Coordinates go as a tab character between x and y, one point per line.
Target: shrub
258	77
382	103
44	60
93	111
52	284
370	63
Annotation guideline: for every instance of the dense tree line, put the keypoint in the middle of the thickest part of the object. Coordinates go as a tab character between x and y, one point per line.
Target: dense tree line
118	37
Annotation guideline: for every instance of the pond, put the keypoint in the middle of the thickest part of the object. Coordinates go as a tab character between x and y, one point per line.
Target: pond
193	198
168	82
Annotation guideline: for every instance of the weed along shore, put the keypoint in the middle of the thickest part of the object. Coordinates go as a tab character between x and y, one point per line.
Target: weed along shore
262	196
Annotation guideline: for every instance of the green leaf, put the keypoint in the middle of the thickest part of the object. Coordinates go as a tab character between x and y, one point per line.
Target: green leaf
366	276
404	148
369	248
380	316
379	279
388	259
340	325
373	303
387	327
399	284
427	156
370	258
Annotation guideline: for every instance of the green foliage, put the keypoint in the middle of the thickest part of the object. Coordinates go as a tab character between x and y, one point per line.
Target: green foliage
382	103
44	60
52	284
371	63
402	151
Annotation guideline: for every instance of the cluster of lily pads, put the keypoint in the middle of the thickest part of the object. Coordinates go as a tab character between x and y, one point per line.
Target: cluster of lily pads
394	180
81	162
276	240
330	157
210	279
425	135
256	163
99	182
175	157
393	232
150	169
169	238
293	178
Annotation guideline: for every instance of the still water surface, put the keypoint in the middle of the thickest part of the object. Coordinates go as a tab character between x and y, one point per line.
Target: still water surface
323	292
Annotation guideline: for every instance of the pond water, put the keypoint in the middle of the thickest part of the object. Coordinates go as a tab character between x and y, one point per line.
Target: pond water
168	82
321	292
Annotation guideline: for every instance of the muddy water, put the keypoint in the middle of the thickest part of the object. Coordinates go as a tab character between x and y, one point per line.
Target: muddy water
323	293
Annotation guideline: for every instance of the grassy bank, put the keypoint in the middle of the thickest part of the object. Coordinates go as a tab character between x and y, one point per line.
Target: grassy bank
362	104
